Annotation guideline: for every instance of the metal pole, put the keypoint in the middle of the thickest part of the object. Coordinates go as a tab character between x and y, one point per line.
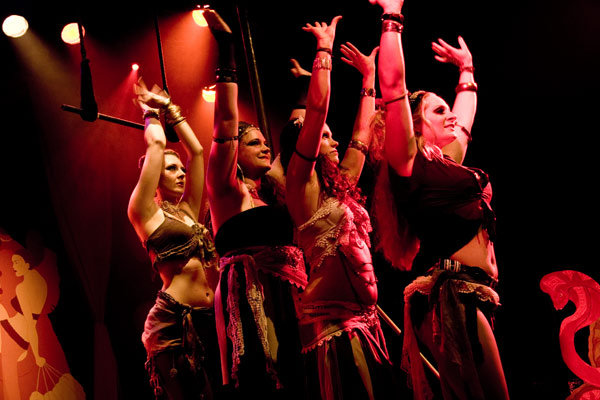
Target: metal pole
105	117
255	87
169	130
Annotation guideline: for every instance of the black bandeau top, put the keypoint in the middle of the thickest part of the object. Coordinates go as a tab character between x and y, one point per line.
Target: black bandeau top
258	226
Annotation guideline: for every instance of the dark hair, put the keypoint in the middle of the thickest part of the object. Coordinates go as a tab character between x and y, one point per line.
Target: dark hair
271	191
333	182
26	255
245	127
287	141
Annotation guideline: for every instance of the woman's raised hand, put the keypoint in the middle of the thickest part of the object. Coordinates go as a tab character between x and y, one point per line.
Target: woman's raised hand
325	33
461	57
155	98
297	69
363	63
389	6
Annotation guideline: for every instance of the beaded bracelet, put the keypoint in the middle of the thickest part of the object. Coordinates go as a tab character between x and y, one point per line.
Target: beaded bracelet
367	92
322	63
467	68
466	86
325	49
358	145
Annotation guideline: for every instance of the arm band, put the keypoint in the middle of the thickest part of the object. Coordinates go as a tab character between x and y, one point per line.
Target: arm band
466	86
358	145
305	158
225	140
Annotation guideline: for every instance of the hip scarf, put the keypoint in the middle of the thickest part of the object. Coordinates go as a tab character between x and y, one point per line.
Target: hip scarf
169	325
454	297
283	262
323	320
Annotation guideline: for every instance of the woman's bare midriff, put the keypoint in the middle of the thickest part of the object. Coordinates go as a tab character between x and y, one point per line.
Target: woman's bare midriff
193	284
479	252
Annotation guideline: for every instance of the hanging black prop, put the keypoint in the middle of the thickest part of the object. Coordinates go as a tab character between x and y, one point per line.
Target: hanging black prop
89	108
169	131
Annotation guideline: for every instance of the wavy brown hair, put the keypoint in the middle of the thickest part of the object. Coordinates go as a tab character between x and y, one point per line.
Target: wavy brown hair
334	182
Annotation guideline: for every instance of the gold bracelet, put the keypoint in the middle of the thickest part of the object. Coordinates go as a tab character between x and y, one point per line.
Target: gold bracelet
358	145
173	115
466	86
322	63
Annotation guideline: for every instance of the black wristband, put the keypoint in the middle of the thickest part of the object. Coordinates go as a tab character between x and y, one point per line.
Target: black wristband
393	17
325	49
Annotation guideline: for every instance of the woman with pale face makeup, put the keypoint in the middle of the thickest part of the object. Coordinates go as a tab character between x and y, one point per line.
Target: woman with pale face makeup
179	332
433	218
262	271
341	335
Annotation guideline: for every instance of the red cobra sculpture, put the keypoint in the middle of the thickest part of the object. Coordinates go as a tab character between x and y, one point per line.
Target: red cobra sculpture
584	292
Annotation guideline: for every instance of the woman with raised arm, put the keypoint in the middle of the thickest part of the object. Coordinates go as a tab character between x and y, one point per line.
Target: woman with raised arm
340	330
261	270
179	333
434	218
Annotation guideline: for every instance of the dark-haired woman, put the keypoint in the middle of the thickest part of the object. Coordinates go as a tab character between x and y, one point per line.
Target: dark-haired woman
261	270
340	329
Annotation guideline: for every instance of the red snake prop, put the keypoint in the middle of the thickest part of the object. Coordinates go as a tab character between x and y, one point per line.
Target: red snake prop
584	292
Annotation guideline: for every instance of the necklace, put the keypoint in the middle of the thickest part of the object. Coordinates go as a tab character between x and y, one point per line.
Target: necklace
171	208
253	191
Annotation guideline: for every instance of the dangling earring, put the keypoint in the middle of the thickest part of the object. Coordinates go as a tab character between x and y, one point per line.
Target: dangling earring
240	172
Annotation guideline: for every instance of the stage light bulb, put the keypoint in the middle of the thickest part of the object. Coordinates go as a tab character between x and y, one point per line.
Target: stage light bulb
198	16
70	33
15	26
135	66
208	93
